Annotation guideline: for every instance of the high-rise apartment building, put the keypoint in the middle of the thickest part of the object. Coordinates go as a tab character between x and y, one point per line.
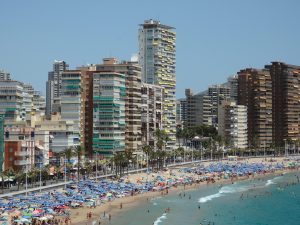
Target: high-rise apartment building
37	100
11	99
53	86
232	124
71	97
180	106
182	117
4	75
49	97
211	101
109	94
286	101
157	57
86	123
194	108
255	92
1	142
131	129
152	111
232	83
133	132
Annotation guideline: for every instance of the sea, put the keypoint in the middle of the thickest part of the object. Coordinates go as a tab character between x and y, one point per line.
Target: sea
271	200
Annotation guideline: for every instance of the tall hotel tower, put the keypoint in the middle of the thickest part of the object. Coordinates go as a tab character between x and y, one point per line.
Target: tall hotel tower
157	58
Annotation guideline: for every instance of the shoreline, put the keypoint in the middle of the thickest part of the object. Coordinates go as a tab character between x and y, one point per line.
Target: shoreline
78	216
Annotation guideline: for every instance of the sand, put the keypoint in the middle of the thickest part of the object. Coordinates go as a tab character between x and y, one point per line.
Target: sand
79	216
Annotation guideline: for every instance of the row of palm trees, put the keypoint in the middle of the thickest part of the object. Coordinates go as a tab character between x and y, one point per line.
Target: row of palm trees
155	157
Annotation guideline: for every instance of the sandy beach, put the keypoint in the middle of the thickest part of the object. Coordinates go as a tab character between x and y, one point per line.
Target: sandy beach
112	208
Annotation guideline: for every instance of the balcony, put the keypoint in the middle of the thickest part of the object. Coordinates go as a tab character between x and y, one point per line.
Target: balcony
22	162
22	153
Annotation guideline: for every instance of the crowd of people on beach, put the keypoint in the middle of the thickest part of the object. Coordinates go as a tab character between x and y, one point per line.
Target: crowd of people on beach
55	207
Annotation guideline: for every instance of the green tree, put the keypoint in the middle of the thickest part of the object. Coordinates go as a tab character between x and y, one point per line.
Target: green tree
162	140
78	152
148	150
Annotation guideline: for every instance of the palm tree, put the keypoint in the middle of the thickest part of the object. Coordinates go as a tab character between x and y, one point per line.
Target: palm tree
147	149
162	140
33	175
78	151
179	135
179	152
129	157
19	176
88	167
119	159
68	153
2	175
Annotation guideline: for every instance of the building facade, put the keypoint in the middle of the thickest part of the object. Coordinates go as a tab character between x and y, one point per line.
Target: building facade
4	75
232	83
1	142
194	108
152	112
109	95
11	99
53	86
232	124
132	99
286	97
157	57
182	117
255	92
71	99
211	101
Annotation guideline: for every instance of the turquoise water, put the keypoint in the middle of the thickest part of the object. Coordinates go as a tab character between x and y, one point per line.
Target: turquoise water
267	201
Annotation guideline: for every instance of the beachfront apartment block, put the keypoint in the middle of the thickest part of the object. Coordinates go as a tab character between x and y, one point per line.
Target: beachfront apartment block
11	100
286	98
255	92
194	108
152	112
109	94
71	101
157	57
232	124
211	101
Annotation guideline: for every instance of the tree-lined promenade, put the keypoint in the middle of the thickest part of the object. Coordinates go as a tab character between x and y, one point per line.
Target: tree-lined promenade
198	143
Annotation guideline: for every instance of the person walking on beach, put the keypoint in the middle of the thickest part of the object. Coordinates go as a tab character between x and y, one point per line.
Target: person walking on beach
121	205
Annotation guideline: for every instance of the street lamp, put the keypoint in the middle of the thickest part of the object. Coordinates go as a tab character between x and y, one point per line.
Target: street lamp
65	171
195	140
174	156
96	166
41	173
26	173
285	150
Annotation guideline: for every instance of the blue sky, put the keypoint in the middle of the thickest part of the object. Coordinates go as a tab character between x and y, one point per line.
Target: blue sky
215	38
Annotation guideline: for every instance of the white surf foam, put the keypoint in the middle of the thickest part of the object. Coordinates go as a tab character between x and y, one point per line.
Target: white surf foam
209	197
160	219
223	191
271	181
